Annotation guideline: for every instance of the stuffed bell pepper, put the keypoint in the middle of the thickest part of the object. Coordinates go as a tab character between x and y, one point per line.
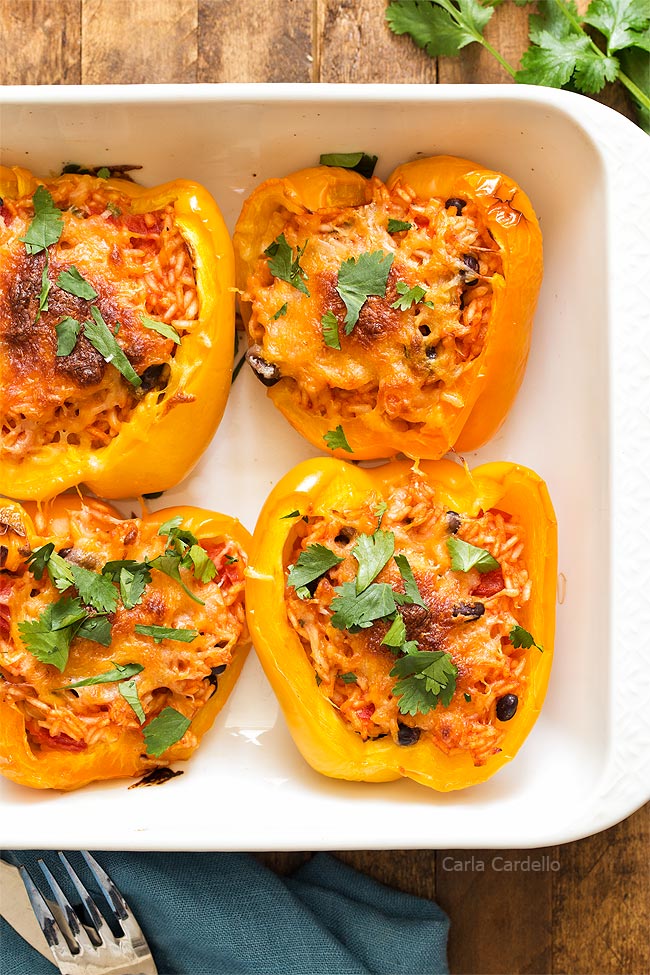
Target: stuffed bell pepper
393	317
120	638
116	332
405	615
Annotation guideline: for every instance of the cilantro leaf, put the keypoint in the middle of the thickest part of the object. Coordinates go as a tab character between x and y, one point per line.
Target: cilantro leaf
636	65
97	629
280	313
519	637
426	678
410	585
67	333
95	590
397	226
47	224
43	303
372	552
396	635
353	610
204	567
465	557
311	564
283	265
336	440
441	27
38	559
553	60
60	572
49	637
118	673
129	691
292	514
167	331
164	731
101	338
160	633
360	162
360	279
73	283
104	172
408	296
330	324
624	23
170	526
133	583
348	678
169	563
379	512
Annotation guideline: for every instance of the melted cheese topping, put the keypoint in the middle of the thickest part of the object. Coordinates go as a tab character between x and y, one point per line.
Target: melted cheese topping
179	675
402	362
137	263
488	665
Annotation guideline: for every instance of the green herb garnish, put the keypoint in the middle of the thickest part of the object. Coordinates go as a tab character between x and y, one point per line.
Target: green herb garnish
348	678
167	331
372	552
280	313
101	338
310	565
336	440
73	283
67	333
47	224
409	296
118	673
330	324
411	590
519	637
49	637
129	691
164	731
160	633
360	162
396	635
465	557
283	265
397	226
359	279
425	678
352	610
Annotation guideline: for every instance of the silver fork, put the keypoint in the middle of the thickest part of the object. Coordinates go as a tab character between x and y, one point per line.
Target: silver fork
81	949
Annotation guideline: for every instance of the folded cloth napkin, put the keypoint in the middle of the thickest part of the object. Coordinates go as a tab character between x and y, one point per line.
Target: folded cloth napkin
226	914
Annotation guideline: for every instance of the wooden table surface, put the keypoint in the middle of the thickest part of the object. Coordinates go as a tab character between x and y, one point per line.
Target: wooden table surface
589	910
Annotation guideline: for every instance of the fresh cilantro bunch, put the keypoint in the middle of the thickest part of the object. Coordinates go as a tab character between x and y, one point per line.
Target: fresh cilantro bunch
562	53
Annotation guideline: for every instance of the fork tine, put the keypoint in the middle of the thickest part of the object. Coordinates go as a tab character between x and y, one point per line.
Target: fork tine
46	920
76	929
100	925
123	912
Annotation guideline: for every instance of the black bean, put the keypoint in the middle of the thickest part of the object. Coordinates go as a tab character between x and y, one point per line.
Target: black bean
432	352
407	735
345	535
267	372
215	673
470	261
507	707
453	201
424	330
470	611
155	377
452	520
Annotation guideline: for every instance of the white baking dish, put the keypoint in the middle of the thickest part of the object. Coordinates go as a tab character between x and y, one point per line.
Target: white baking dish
581	420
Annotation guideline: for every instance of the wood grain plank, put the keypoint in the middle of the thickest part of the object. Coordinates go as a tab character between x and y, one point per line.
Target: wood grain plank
148	41
356	45
601	906
413	871
500	910
41	42
255	40
508	33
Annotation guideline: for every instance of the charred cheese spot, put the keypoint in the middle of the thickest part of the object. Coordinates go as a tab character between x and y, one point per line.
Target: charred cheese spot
488	666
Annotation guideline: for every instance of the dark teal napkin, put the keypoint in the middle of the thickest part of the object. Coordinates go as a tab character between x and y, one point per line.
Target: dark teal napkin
225	914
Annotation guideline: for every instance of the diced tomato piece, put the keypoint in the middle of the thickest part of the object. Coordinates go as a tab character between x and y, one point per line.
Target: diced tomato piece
366	712
227	571
491	583
58	741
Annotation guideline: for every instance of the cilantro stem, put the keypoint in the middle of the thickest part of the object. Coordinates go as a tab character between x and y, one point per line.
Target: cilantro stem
493	51
634	90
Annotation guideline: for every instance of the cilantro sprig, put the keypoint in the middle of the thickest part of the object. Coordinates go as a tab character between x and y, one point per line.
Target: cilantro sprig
520	637
426	678
336	440
359	162
118	673
359	279
562	53
283	265
164	731
465	556
409	296
46	226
